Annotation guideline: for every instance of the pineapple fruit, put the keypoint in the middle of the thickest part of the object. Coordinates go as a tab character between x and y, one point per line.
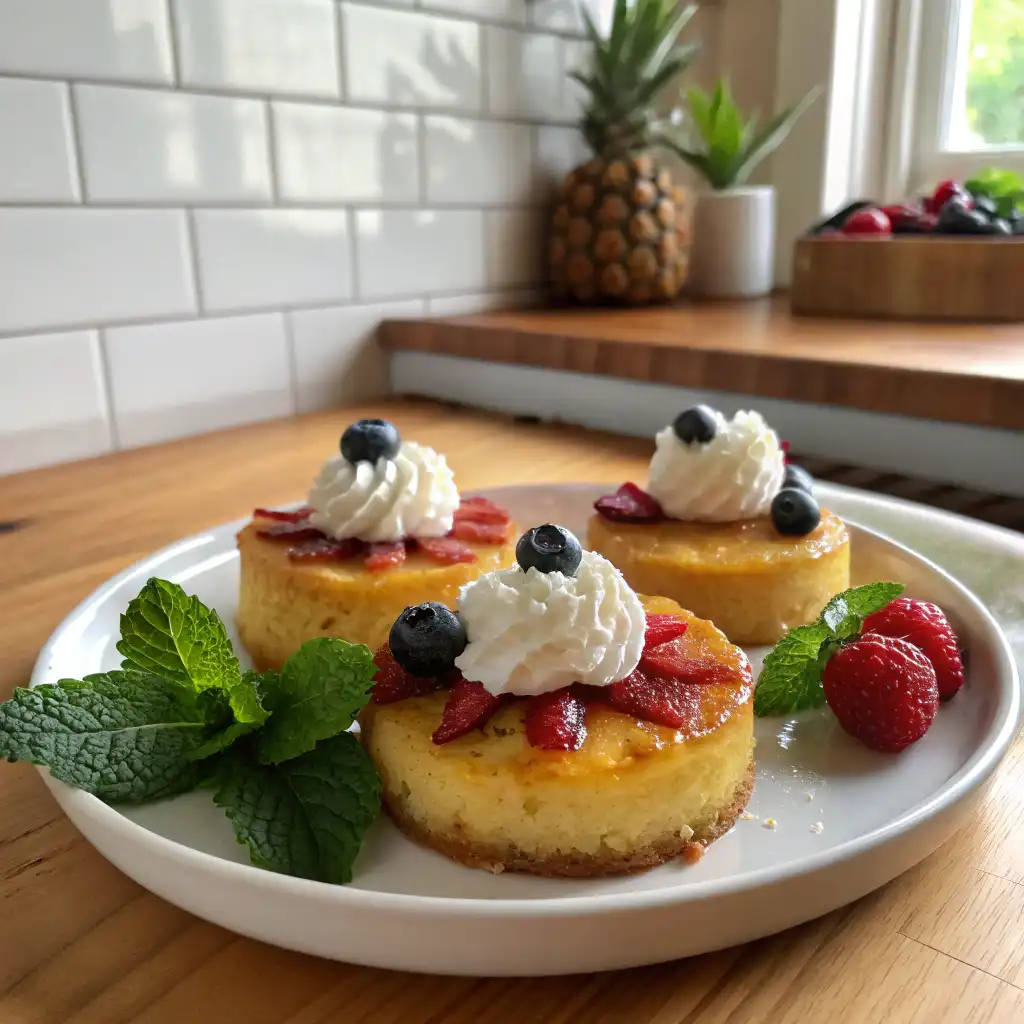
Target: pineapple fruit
620	229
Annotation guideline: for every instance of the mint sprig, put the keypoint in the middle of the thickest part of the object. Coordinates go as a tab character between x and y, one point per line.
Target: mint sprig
298	789
790	678
123	736
317	694
306	816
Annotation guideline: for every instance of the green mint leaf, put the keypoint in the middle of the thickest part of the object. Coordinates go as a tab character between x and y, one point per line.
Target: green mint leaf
174	635
845	613
790	678
122	736
317	695
306	817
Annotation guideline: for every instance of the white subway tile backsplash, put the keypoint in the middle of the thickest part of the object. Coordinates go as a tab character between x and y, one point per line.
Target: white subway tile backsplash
261	258
275	46
524	76
140	144
337	359
174	379
512	11
515	254
37	155
75	266
111	39
249	186
409	252
342	154
476	162
52	402
406	58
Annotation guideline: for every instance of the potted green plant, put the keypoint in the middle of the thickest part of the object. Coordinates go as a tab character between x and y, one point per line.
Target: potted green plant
734	223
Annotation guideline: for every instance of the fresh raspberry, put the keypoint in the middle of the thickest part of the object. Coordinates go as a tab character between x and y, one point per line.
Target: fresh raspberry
925	626
469	706
883	691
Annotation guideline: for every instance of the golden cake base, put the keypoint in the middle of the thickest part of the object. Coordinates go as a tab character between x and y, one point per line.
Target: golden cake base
634	796
282	604
752	582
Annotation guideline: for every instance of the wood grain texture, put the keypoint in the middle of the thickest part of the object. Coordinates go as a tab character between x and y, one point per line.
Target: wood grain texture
957	373
84	944
975	279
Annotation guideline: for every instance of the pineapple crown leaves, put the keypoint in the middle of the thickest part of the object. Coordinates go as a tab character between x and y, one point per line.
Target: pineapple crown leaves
730	148
629	68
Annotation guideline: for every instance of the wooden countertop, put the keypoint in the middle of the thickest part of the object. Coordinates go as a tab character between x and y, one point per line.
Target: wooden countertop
84	944
961	373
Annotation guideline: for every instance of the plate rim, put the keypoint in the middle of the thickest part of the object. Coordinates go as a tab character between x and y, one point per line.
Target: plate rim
978	768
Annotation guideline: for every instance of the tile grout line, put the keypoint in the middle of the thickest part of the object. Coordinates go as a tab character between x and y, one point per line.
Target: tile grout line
192	252
309	99
207	315
273	148
339	49
107	382
248	205
171	7
76	145
351	220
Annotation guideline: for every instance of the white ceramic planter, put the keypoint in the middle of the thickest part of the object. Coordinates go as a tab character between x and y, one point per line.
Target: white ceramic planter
733	254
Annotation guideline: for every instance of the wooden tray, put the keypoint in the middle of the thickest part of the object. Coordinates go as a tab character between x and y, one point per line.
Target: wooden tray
910	278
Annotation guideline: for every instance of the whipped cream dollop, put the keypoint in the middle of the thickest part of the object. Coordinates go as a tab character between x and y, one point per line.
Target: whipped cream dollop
533	632
734	476
410	495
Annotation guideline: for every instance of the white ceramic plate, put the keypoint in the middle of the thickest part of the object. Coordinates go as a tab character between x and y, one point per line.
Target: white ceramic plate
410	908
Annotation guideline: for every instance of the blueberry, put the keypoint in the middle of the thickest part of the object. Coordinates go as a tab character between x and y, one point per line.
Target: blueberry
795	512
370	440
697	424
549	549
426	639
798	477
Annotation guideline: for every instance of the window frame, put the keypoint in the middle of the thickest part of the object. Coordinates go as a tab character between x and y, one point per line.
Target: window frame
926	84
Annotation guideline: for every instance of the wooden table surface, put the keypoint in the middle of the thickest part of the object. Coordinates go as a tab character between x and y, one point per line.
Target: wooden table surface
959	373
81	943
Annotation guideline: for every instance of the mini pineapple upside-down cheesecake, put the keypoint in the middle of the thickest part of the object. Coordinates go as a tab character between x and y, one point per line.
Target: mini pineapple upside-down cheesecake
384	527
559	723
726	528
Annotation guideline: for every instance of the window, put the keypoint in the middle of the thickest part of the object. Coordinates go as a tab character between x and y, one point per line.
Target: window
968	104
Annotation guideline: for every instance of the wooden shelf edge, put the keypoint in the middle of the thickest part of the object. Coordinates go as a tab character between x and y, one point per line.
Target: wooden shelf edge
986	400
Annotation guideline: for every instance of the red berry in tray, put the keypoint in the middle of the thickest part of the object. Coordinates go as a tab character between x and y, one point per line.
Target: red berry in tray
945	191
883	691
469	706
630	504
556	721
868	222
385	556
661	629
446	550
925	626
